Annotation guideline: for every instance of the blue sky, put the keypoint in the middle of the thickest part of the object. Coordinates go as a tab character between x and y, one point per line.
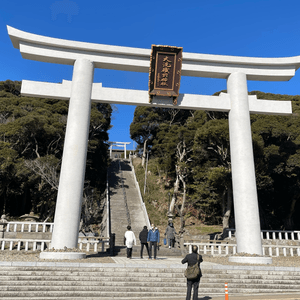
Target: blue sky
258	28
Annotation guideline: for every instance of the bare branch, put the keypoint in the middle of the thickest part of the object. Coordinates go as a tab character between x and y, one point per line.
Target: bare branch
48	173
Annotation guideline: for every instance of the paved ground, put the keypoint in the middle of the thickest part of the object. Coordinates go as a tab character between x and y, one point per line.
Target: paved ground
160	262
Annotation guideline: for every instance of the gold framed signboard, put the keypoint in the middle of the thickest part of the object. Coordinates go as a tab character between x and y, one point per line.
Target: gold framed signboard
165	72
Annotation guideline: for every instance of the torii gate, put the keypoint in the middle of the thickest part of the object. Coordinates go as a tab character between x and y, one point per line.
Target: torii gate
81	91
118	144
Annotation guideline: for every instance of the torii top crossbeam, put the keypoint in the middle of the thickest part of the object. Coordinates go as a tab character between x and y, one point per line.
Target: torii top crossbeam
47	49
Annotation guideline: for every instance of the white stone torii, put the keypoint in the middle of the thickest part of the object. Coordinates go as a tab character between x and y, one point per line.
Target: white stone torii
81	91
118	144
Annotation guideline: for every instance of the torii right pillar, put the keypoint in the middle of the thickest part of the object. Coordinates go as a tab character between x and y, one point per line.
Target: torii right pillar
246	210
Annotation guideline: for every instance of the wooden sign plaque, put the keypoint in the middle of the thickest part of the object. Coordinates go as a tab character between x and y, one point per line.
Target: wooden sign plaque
165	72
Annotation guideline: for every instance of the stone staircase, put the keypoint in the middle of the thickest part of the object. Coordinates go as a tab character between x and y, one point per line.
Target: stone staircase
136	282
122	187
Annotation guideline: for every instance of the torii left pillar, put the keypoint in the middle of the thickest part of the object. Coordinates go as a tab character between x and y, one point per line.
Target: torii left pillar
69	198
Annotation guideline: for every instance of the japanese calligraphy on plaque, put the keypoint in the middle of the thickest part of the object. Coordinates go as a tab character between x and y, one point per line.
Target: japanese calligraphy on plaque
165	72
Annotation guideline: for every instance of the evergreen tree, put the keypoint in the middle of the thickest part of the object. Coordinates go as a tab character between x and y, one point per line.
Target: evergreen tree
31	143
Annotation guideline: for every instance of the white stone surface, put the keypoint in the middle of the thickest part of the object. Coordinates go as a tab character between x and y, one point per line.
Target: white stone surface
138	97
47	49
69	198
246	212
62	255
251	259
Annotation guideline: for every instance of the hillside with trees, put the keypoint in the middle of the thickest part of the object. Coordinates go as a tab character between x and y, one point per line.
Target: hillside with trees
189	153
31	143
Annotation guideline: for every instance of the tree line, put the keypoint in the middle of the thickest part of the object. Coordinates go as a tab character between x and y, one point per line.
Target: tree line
32	134
192	148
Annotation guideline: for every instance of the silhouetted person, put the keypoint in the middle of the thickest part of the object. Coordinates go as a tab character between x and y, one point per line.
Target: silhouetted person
192	259
170	234
129	240
153	238
143	239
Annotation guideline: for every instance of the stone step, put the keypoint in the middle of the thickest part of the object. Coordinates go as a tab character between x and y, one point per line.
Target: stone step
122	274
83	294
138	293
67	283
83	271
163	282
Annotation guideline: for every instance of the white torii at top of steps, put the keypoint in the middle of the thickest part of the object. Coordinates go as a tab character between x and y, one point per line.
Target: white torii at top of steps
47	49
138	97
121	143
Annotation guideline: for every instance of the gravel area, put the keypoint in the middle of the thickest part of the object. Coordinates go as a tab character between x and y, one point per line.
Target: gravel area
280	261
33	256
15	255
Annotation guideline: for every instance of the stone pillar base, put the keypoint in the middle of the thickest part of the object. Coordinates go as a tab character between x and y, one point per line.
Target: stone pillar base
251	259
62	255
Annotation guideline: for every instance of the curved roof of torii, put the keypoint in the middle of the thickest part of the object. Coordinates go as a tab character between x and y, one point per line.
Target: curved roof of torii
47	49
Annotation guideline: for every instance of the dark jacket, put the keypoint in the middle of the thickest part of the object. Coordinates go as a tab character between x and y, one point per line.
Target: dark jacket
192	259
143	236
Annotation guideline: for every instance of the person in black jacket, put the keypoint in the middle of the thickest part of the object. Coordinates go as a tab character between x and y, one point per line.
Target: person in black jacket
143	239
192	259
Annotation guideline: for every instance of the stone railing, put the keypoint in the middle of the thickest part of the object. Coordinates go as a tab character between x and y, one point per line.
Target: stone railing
23	244
213	248
22	238
281	250
29	227
273	234
84	243
218	249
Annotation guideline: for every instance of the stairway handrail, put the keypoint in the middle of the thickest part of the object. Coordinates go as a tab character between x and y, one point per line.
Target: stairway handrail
124	196
140	194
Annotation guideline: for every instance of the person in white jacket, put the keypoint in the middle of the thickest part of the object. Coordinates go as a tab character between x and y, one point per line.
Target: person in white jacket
129	240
